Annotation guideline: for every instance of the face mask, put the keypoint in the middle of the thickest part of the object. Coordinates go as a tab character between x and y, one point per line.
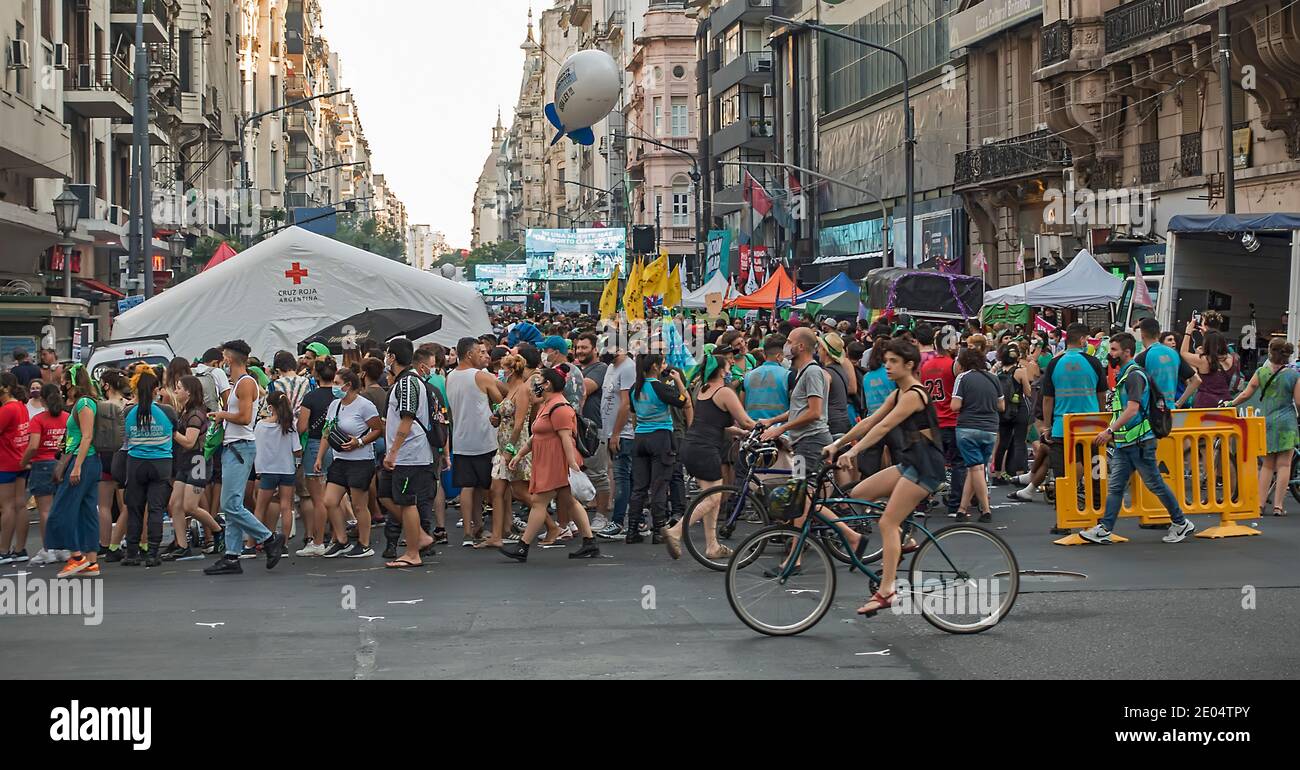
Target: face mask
787	352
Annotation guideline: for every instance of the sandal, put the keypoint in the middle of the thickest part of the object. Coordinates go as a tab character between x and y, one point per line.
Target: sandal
883	601
723	552
1279	511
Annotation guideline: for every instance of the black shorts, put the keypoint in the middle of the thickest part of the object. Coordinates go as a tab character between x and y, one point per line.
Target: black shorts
118	468
215	463
407	484
472	471
1056	456
190	468
702	461
350	474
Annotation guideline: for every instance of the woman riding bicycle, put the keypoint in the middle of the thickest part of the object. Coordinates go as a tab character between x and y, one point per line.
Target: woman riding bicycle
910	417
717	411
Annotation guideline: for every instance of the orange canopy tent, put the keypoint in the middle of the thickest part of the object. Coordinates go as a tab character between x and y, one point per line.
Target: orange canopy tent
778	287
224	252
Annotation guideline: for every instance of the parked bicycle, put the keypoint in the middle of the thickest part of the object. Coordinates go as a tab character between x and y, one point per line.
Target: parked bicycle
781	581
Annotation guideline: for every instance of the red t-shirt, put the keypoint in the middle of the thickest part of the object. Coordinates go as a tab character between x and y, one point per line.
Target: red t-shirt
51	430
938	378
13	436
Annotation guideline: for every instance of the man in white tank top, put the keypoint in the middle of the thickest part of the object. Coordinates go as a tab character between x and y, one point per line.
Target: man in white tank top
473	394
237	455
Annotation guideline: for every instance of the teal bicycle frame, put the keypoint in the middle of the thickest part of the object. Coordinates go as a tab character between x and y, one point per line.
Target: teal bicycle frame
878	512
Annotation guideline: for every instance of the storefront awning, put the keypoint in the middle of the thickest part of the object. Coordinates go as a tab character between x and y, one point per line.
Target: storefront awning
101	287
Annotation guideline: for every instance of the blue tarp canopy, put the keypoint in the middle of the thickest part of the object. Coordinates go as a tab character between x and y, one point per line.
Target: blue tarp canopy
1233	223
828	288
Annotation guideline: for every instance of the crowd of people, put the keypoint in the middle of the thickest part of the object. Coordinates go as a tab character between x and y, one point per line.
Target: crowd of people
583	430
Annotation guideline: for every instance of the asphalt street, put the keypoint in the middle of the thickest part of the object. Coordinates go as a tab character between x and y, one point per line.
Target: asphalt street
1145	609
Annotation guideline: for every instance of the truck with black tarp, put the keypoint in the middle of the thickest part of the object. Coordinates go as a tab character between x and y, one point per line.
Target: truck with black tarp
922	294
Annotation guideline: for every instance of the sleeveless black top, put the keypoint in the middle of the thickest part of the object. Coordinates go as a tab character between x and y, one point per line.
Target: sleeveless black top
710	423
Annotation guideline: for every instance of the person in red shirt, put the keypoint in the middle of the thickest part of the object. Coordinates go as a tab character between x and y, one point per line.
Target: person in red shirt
46	432
939	379
13	473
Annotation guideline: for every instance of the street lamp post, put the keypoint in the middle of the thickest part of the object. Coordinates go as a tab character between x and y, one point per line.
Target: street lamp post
884	231
309	172
909	135
695	182
67	212
245	180
176	246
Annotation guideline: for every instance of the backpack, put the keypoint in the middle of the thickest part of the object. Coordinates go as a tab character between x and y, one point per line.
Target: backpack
438	426
211	398
1157	411
586	438
110	427
1011	393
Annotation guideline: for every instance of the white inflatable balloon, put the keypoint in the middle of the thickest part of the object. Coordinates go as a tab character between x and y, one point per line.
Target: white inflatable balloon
448	271
585	92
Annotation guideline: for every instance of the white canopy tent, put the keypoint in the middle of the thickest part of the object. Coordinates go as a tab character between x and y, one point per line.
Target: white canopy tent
1083	283
279	292
717	283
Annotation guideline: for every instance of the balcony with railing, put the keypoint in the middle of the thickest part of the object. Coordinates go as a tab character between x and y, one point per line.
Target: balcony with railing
1189	153
753	132
158	17
1149	162
302	123
752	68
1056	42
579	12
1018	156
733	11
1140	19
297	87
98	87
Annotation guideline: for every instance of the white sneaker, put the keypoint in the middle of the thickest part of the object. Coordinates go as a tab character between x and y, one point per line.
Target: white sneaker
598	523
1022	479
311	549
42	558
460	523
62	555
1097	534
1178	532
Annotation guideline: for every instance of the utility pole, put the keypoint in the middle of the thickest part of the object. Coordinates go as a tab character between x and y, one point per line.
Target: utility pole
909	130
1225	85
658	200
141	187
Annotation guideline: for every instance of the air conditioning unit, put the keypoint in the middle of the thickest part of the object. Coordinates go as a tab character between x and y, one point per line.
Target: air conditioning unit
61	56
767	90
763	65
20	55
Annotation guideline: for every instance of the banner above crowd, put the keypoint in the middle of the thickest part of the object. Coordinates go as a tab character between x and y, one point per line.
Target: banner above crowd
584	254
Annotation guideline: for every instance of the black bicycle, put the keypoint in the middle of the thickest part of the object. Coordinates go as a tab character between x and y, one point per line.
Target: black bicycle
743	509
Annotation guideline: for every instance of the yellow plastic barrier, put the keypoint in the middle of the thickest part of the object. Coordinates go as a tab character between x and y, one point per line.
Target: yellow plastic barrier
1207	449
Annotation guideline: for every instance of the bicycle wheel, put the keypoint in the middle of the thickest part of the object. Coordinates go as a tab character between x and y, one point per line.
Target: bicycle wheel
773	605
751	518
963	580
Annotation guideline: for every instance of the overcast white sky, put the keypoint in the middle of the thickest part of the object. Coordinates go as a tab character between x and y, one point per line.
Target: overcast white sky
428	77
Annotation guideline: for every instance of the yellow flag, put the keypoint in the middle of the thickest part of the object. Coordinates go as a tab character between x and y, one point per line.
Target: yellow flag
654	280
632	306
673	294
609	298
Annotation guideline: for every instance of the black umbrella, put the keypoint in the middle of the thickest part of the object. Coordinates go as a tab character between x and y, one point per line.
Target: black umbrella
381	325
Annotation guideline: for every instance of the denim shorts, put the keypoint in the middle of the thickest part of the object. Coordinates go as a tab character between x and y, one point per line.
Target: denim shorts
272	480
309	459
40	479
975	446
